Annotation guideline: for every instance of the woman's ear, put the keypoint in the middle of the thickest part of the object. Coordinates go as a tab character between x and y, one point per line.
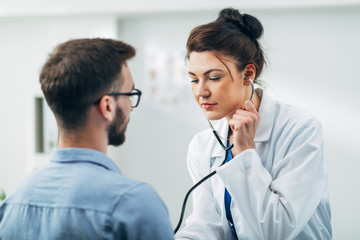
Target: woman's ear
107	108
250	72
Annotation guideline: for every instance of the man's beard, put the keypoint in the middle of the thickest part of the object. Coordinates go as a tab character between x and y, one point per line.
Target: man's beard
117	128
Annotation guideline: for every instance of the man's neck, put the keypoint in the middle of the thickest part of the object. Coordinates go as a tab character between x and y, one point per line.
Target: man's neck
83	139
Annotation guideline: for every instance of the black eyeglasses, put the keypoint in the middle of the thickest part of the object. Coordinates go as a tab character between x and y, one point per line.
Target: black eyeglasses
134	95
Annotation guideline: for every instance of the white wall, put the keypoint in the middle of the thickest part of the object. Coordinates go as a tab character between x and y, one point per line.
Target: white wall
158	137
128	8
313	58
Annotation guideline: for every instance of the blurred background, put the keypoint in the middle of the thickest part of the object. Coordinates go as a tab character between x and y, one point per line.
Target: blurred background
312	48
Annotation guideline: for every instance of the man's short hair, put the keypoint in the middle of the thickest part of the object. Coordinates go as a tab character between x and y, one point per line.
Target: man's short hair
78	73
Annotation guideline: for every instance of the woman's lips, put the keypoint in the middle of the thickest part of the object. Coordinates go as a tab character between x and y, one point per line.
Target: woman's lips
207	106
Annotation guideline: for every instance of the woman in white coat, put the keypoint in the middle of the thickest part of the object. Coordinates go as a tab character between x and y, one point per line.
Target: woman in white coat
274	183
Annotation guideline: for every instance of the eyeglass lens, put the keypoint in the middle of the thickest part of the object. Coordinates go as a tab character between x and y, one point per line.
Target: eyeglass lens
134	100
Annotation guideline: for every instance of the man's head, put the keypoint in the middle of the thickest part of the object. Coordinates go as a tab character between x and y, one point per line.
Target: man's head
81	71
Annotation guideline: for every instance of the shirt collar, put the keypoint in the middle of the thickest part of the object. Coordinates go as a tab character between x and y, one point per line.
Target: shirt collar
67	155
266	112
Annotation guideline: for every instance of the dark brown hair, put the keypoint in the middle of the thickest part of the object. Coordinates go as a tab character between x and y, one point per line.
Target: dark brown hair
77	73
233	35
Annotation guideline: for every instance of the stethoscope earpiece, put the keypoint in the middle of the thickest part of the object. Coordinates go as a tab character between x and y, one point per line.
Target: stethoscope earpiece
252	87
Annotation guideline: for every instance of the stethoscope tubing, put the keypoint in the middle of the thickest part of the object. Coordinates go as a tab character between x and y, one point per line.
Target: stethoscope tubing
192	189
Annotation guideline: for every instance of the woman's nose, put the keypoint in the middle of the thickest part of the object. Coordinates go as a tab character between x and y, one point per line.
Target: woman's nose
202	90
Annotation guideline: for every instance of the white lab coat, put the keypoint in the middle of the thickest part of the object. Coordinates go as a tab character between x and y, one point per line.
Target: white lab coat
279	189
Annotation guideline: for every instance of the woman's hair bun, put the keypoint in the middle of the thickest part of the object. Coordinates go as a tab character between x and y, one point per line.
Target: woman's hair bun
247	24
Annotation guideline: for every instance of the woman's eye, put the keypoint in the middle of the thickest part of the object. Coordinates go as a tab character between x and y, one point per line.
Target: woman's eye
214	78
194	80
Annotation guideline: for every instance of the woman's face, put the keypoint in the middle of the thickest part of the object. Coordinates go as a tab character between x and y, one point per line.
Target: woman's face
216	92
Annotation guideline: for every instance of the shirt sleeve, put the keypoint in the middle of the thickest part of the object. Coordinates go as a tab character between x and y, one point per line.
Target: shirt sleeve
278	204
205	220
141	214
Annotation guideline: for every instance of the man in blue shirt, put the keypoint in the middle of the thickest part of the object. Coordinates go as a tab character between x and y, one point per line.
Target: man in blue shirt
81	193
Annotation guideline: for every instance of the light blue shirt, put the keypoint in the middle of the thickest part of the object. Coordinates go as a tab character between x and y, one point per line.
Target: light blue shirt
81	194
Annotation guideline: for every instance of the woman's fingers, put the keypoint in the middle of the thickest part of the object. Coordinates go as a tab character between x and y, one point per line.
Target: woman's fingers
244	124
249	106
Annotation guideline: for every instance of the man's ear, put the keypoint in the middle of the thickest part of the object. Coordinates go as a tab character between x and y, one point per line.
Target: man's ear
107	108
250	72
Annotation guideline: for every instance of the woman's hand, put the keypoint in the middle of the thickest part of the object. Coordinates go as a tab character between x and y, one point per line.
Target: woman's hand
244	124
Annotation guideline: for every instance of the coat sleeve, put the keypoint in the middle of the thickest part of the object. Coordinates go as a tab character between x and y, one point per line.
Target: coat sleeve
278	205
205	220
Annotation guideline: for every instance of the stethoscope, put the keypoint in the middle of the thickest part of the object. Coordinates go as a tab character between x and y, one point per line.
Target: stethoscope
226	149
